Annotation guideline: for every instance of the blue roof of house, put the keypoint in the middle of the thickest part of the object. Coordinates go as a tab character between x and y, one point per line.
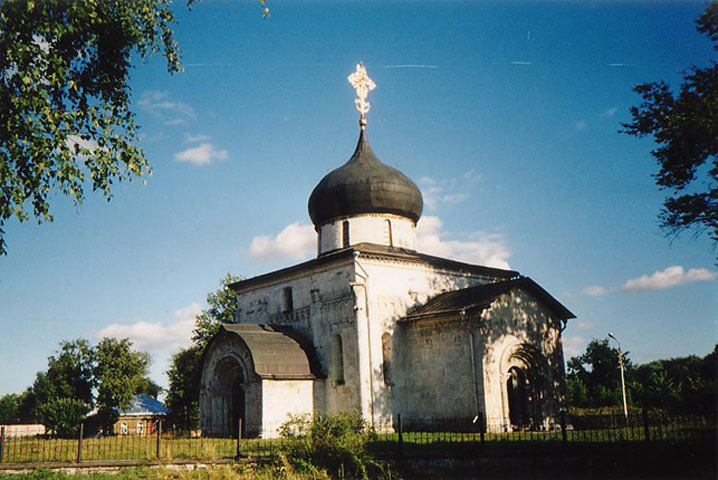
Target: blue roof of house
144	405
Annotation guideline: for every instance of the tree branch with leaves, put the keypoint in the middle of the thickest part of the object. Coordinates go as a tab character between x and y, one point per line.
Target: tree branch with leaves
684	125
65	97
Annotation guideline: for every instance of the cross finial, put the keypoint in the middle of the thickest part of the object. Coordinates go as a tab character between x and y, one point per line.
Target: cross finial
363	85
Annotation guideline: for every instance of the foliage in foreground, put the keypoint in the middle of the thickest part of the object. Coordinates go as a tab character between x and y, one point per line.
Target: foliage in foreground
684	127
277	468
65	97
336	444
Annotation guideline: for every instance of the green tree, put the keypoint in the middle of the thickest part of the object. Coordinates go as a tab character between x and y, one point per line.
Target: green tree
184	373
221	307
69	374
685	127
679	385
65	98
594	378
119	372
10	405
148	387
63	416
70	371
183	393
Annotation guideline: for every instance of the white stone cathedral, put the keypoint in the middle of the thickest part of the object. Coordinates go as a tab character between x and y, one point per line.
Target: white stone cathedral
373	326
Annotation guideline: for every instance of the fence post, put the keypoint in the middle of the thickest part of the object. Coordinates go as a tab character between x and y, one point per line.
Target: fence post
2	442
79	443
239	440
564	427
159	437
401	435
646	431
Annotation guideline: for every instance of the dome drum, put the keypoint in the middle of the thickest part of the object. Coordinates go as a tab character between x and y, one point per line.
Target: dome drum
382	229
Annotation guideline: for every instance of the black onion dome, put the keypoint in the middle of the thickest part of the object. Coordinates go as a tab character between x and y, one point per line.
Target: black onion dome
364	185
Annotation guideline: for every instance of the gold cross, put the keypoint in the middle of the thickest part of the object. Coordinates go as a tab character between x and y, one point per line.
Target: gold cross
363	85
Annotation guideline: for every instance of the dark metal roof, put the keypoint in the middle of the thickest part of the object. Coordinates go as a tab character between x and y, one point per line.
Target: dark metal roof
277	352
364	185
143	405
371	249
481	296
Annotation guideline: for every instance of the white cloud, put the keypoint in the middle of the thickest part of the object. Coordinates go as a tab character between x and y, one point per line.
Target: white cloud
431	195
158	104
454	198
585	325
447	191
157	338
573	345
472	176
294	242
480	248
668	278
609	112
581	125
176	121
189	138
593	291
203	154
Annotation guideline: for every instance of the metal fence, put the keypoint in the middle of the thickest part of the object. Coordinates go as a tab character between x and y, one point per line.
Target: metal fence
438	437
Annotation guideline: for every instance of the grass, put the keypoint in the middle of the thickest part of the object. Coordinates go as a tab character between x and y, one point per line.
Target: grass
130	447
271	470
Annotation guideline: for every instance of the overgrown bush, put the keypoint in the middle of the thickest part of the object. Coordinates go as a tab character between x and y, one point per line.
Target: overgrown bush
336	444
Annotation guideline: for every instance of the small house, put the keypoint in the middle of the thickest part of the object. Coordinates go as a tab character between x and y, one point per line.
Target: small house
142	418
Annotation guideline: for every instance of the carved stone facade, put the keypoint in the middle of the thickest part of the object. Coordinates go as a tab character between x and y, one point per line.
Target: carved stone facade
362	312
373	326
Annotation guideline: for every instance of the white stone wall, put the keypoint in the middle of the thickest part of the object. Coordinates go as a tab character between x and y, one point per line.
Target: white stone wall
515	318
323	307
435	377
283	398
369	228
394	288
360	299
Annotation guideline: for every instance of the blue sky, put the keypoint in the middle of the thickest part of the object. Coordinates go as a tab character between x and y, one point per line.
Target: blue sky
507	114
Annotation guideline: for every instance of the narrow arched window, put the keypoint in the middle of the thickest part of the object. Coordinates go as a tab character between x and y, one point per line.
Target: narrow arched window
338	359
288	300
345	233
387	350
388	241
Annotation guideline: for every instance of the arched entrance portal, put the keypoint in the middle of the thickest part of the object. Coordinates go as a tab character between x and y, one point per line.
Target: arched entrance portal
230	384
517	390
258	374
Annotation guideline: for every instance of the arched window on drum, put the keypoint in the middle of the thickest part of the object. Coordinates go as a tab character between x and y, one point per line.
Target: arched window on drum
388	240
345	233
